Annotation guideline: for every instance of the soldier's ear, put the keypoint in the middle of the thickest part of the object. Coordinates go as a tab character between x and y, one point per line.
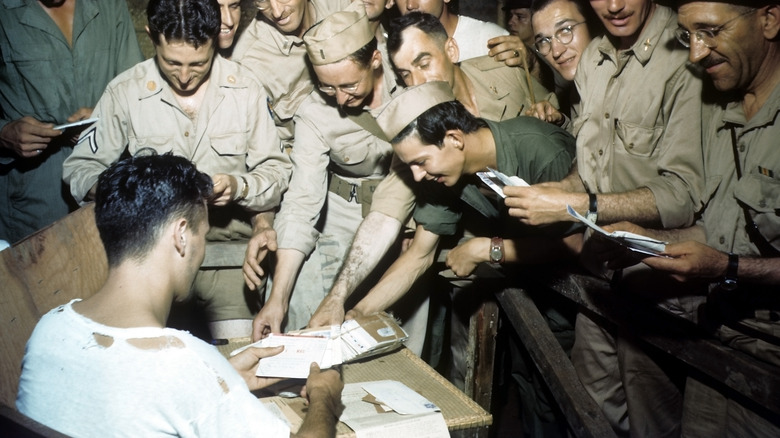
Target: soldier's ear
770	21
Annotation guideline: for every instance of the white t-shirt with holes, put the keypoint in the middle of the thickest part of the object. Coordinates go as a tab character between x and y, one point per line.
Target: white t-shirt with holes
85	379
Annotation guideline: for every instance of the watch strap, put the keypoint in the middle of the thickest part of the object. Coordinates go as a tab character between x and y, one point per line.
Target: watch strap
497	247
593	208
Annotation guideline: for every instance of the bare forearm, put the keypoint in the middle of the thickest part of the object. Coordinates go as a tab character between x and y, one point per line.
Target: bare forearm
636	206
288	263
263	220
572	181
759	270
374	237
695	233
321	419
531	250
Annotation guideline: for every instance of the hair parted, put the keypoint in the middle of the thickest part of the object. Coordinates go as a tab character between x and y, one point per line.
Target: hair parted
196	22
427	23
136	198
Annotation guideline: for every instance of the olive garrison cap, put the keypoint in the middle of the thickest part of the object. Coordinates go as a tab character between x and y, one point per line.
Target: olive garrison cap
410	104
338	35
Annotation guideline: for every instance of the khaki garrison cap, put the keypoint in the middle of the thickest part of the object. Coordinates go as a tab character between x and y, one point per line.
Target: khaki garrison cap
407	106
338	35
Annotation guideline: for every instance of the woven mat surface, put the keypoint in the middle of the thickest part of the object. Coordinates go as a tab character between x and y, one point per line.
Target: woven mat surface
459	411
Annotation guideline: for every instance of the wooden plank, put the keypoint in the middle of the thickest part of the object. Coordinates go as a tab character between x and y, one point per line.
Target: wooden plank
56	264
480	357
752	381
63	261
582	413
14	424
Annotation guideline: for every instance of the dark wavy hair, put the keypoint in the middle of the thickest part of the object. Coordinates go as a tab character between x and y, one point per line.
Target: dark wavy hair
592	21
196	22
432	125
427	23
136	198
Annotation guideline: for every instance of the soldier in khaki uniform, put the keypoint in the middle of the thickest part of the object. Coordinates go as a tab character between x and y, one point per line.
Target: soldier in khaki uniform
487	88
272	48
737	261
191	102
639	158
338	160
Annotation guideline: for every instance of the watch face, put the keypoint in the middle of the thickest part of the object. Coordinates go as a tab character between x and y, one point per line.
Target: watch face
728	284
495	254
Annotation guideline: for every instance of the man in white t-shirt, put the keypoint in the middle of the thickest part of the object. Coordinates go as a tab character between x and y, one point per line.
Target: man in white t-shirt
472	36
108	366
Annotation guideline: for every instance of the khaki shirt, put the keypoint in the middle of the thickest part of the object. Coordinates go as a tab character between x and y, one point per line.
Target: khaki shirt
759	187
327	141
638	122
232	134
501	92
279	62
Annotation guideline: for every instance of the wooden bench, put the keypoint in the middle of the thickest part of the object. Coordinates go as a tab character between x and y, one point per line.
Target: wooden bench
751	381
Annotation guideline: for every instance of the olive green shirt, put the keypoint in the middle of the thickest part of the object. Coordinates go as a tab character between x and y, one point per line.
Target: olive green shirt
527	147
501	92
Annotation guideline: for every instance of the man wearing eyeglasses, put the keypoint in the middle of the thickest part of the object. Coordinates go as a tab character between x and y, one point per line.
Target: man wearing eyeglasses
339	158
734	248
272	47
562	32
639	158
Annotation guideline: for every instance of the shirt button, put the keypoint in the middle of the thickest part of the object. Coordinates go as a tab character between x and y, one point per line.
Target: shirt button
762	203
151	86
231	79
606	115
631	145
601	152
722	240
186	133
346	159
742	148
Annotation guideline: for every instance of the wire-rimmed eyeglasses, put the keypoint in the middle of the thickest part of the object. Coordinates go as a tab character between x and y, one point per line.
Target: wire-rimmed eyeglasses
349	89
263	5
706	36
564	35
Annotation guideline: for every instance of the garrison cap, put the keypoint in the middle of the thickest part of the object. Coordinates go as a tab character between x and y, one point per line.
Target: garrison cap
410	104
338	35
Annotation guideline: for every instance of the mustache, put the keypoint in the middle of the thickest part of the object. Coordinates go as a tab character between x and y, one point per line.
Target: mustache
711	61
617	16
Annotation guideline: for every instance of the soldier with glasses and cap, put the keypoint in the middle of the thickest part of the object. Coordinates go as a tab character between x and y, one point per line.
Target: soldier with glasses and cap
734	249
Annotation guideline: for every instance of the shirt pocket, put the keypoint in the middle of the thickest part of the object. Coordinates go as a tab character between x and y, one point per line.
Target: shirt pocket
638	140
360	154
160	144
232	144
761	195
29	66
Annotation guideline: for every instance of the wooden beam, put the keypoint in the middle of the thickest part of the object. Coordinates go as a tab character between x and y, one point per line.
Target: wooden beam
582	413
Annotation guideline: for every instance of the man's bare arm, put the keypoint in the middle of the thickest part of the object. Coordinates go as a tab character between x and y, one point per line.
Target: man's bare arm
401	275
374	237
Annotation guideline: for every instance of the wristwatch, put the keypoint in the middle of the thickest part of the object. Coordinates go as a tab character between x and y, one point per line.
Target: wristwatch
730	279
497	250
593	208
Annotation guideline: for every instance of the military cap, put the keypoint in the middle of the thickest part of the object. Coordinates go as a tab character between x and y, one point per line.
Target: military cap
410	104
